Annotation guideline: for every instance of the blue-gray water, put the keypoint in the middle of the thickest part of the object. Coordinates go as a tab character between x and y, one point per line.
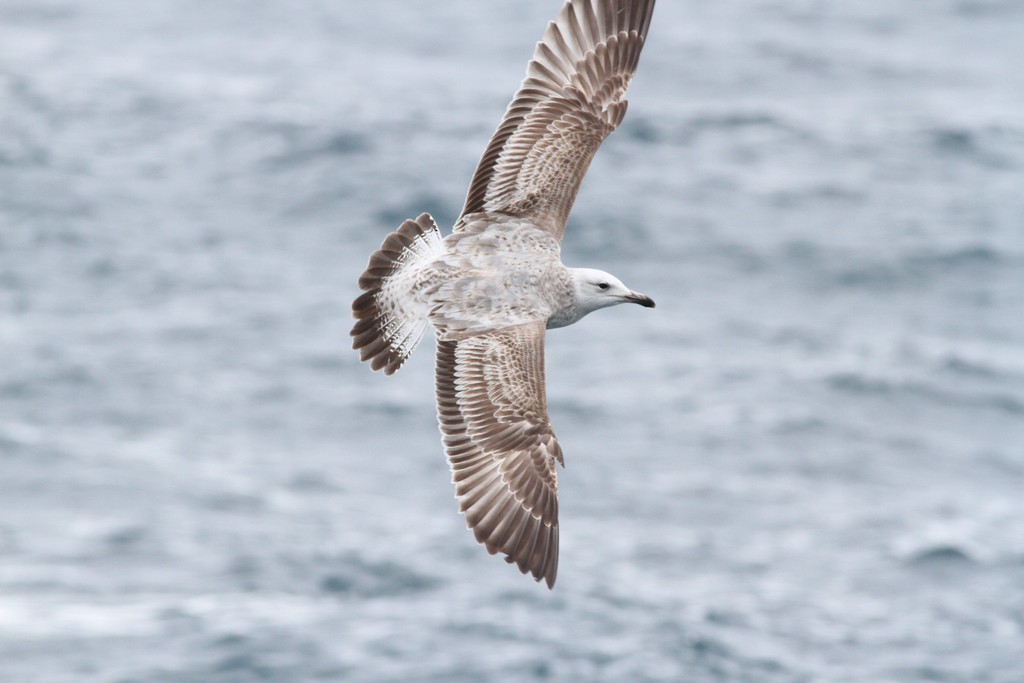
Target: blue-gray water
806	465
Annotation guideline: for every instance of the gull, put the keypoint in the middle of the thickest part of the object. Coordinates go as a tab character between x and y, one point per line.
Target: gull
492	287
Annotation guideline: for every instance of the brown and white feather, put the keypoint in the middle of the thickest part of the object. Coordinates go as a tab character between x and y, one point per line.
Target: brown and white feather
390	321
492	287
492	409
571	100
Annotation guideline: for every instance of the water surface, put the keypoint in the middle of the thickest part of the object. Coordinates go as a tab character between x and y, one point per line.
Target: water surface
805	465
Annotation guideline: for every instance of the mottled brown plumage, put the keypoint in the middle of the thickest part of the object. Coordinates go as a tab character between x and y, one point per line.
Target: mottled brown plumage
570	101
492	287
493	413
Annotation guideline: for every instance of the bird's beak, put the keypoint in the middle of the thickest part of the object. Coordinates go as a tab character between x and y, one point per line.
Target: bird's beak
642	299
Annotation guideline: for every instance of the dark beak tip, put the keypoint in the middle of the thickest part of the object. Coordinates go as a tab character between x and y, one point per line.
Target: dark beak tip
645	301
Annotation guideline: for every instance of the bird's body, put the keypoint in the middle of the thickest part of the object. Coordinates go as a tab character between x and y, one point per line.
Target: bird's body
492	287
506	270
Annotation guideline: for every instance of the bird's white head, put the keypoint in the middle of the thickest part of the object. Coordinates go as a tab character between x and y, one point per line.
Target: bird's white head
597	289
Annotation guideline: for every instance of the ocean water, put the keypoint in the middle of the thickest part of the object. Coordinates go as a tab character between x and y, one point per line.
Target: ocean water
806	465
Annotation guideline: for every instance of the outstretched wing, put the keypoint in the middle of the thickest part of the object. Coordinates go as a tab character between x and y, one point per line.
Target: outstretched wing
492	409
571	100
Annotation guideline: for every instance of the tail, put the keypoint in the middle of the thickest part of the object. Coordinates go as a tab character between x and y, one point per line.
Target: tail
389	324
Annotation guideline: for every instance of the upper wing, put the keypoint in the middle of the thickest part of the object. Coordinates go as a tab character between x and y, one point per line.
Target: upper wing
571	100
492	408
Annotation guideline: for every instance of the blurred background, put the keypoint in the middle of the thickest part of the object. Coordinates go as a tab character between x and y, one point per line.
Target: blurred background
806	464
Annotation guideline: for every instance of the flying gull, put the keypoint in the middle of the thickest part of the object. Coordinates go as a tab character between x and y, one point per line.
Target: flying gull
493	286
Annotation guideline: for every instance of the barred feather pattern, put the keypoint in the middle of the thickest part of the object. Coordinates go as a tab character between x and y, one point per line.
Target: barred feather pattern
571	100
492	409
389	325
491	287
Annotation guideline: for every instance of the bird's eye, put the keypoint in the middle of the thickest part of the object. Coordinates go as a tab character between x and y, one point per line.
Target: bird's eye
602	285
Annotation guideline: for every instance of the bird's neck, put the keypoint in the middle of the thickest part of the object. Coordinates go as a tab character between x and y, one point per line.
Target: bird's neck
571	311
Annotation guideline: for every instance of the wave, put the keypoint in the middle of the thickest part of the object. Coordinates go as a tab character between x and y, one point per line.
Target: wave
983	145
355	576
846	269
854	383
656	131
963	366
941	556
986	8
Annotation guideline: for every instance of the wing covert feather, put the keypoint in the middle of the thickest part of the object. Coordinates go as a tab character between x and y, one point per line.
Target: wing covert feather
492	410
571	100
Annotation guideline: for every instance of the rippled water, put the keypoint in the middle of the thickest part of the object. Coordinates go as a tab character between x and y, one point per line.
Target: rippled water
805	465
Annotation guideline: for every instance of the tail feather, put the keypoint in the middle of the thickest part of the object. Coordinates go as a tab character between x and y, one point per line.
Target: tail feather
387	327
